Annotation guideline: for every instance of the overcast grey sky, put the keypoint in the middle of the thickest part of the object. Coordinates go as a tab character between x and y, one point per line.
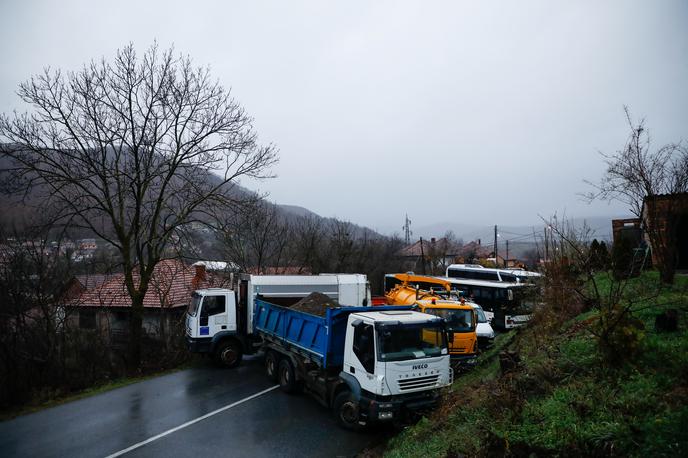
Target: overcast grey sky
483	112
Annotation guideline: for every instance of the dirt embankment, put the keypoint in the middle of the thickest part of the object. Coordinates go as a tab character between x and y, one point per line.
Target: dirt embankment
315	304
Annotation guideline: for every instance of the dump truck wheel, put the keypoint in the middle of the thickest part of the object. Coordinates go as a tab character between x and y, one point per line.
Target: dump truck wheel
346	411
271	365
287	376
228	354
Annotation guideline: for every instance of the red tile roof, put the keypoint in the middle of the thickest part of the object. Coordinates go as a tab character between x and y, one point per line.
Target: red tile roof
479	251
92	280
171	286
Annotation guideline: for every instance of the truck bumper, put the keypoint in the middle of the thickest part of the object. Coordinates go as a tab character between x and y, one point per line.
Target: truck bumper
199	344
379	409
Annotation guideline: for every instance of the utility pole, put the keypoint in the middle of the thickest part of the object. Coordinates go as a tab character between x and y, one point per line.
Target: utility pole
537	247
495	247
507	253
422	254
407	230
546	246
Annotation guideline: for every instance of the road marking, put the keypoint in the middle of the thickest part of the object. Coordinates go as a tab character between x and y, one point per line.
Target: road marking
189	423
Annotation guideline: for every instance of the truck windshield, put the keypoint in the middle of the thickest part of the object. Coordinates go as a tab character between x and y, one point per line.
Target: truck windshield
195	303
458	320
397	343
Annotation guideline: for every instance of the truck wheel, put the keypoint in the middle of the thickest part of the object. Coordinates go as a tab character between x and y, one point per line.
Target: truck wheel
287	376
271	363
228	354
346	411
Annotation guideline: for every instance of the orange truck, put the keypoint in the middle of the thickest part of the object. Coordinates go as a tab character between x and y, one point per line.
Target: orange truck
433	296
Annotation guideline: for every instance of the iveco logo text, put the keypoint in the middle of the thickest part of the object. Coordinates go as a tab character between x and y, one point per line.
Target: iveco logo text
420	366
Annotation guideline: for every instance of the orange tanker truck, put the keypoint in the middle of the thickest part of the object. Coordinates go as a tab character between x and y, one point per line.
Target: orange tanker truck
433	296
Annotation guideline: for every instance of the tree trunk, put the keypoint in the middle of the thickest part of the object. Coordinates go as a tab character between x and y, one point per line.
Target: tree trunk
135	335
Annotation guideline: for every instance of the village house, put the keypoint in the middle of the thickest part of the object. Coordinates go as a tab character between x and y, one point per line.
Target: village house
472	253
102	302
429	256
666	211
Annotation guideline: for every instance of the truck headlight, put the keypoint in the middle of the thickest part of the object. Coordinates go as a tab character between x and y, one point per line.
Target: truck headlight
385	415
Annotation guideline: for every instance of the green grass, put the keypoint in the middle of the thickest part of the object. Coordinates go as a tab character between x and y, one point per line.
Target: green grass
565	399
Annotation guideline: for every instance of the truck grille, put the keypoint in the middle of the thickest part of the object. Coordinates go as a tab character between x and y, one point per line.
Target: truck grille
418	382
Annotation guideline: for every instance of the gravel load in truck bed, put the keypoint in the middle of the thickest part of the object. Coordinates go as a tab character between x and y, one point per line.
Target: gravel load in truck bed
315	304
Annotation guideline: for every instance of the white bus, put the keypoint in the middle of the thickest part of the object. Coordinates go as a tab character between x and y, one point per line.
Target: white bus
478	272
512	303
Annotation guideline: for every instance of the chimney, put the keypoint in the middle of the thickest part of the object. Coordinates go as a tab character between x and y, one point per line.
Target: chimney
432	240
200	276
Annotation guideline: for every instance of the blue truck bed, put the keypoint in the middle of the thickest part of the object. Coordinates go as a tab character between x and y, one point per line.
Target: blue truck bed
320	338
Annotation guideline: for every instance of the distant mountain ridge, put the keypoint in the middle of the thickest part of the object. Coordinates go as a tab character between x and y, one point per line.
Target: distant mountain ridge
13	211
16	210
600	227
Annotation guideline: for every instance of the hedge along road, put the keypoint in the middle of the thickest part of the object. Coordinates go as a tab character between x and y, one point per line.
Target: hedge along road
234	412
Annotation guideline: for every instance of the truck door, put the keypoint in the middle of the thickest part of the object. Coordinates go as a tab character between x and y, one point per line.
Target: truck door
363	363
214	316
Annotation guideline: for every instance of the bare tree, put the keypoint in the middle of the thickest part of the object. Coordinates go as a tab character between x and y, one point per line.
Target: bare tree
129	150
342	245
256	236
636	176
308	237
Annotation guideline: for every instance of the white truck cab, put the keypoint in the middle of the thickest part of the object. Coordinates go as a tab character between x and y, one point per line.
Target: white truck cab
395	352
211	310
395	362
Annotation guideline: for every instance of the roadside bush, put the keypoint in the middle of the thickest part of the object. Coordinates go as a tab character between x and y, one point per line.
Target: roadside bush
619	334
622	259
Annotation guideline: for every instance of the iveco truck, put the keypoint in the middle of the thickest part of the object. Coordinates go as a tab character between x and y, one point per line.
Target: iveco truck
369	364
219	321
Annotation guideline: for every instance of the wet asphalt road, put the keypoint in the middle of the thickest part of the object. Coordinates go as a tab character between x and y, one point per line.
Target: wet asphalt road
272	424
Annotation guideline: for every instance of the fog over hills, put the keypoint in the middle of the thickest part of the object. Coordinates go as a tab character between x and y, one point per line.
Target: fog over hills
600	227
523	236
19	210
